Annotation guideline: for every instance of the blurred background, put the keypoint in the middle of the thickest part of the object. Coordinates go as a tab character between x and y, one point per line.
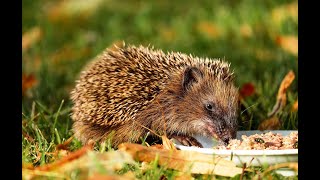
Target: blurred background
258	38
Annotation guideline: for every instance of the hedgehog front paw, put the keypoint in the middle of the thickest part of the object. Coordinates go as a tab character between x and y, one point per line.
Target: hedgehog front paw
186	140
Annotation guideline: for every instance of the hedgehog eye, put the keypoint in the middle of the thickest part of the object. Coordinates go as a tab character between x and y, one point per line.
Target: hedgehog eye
209	106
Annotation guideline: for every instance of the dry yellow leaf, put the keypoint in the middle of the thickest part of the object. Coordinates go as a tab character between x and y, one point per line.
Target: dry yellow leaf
209	29
281	13
272	123
98	176
282	96
183	176
30	37
65	160
185	161
264	54
288	43
246	30
295	106
168	34
71	9
86	160
68	53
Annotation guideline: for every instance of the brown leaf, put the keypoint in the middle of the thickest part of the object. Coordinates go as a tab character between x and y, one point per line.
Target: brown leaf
87	162
28	81
185	161
295	106
26	135
272	123
72	156
157	146
30	37
282	96
65	144
246	90
209	29
288	43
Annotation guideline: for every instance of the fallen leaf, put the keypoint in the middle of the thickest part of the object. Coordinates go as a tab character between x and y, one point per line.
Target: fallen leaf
62	153
245	30
246	90
28	81
288	43
281	13
31	174
209	29
98	176
27	165
183	176
282	96
72	156
272	123
185	161
157	146
36	64
65	144
295	106
27	137
73	9
85	161
264	54
168	34
68	53
30	37
110	161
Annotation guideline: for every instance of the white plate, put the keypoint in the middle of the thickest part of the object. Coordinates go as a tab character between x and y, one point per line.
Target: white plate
250	157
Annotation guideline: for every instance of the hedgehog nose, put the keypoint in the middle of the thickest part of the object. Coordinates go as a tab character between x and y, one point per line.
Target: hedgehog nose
226	140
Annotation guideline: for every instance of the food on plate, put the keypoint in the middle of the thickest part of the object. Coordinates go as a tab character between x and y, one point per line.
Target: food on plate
268	141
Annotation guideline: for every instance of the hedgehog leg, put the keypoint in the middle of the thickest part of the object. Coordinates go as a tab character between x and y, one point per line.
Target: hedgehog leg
87	132
187	140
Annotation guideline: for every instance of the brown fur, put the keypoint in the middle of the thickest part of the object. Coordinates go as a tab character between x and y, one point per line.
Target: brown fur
127	88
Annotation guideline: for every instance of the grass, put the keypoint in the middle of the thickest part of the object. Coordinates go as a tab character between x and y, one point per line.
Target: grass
243	32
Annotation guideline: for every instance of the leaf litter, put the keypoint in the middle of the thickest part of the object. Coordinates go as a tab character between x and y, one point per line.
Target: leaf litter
273	121
185	161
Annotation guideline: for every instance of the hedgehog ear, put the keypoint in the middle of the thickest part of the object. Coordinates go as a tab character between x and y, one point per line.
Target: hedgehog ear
191	76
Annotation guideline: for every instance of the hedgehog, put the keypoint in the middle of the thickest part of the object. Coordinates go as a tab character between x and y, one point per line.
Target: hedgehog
129	92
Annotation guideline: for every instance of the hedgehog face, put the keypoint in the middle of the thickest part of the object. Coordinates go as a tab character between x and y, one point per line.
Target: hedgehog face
211	104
